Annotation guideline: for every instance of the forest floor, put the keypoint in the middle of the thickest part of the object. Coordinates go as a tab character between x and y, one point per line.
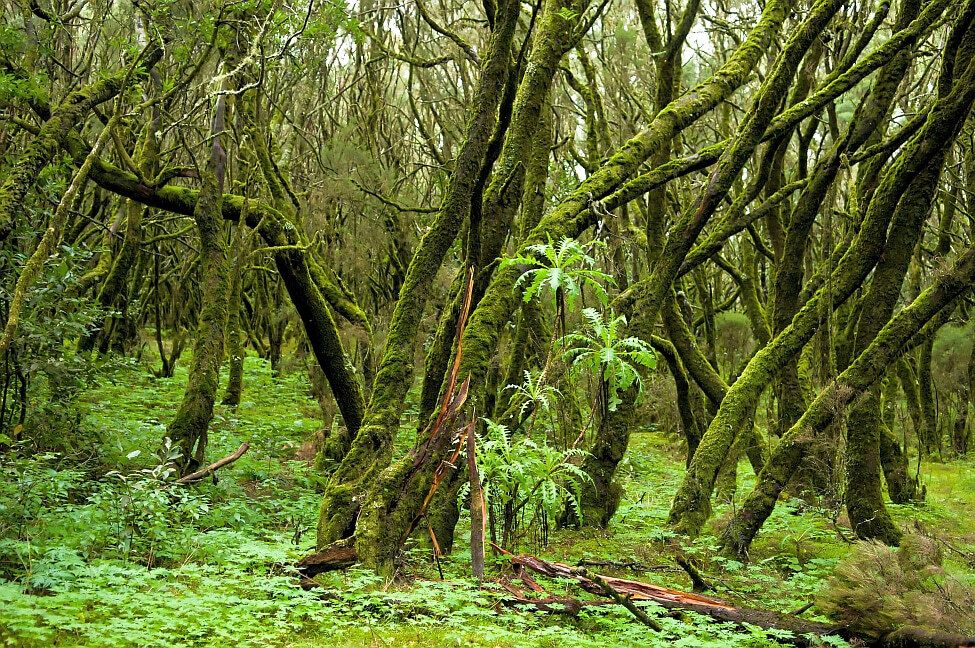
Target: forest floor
128	559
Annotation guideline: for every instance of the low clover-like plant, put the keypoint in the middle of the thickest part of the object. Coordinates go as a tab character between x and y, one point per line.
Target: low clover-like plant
616	360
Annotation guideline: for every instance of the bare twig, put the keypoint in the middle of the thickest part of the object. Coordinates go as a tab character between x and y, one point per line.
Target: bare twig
229	459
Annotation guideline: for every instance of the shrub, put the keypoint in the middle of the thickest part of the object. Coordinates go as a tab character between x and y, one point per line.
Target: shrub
878	590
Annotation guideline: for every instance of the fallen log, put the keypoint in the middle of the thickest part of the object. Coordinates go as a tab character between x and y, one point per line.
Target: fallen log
804	631
342	554
216	465
550	604
338	555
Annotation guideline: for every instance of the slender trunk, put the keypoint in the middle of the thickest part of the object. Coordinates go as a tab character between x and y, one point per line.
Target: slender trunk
235	337
188	430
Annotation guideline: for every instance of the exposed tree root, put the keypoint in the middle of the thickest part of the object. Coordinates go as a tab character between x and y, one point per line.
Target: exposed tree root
338	555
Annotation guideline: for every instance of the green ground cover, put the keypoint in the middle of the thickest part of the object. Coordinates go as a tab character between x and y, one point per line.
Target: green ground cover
128	558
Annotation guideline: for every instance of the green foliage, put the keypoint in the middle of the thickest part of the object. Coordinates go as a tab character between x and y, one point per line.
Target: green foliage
148	512
43	352
86	557
734	338
615	359
524	475
950	356
14	45
878	589
535	397
564	269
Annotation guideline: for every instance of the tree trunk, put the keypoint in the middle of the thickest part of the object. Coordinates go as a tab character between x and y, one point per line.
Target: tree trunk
372	446
235	336
188	429
868	367
689	509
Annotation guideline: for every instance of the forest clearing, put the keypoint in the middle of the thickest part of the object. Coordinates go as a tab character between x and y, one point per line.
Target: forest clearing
487	322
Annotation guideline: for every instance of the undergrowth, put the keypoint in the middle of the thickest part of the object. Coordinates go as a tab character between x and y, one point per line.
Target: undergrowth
105	551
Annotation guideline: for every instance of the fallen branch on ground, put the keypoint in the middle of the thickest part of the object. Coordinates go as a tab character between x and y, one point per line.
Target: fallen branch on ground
697	579
626	602
804	632
212	468
629	564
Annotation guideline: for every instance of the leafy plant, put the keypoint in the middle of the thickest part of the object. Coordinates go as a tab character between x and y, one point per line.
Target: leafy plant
149	512
564	268
536	397
525	481
613	358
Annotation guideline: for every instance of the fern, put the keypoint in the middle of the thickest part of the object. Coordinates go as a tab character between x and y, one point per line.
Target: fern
564	268
525	475
614	359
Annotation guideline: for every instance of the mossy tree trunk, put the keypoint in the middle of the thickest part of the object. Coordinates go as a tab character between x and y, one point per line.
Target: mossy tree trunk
868	123
575	212
394	502
189	427
235	333
967	415
865	370
689	509
371	448
864	497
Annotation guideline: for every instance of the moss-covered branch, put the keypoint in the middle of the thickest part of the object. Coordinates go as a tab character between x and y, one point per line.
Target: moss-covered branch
868	367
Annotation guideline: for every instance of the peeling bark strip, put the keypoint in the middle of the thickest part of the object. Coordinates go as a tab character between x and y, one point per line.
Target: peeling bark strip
478	510
396	504
805	633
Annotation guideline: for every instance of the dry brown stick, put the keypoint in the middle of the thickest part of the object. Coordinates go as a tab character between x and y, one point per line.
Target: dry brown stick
229	459
478	512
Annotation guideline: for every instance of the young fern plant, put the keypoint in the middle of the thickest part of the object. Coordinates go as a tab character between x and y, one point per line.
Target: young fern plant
537	399
527	484
614	359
